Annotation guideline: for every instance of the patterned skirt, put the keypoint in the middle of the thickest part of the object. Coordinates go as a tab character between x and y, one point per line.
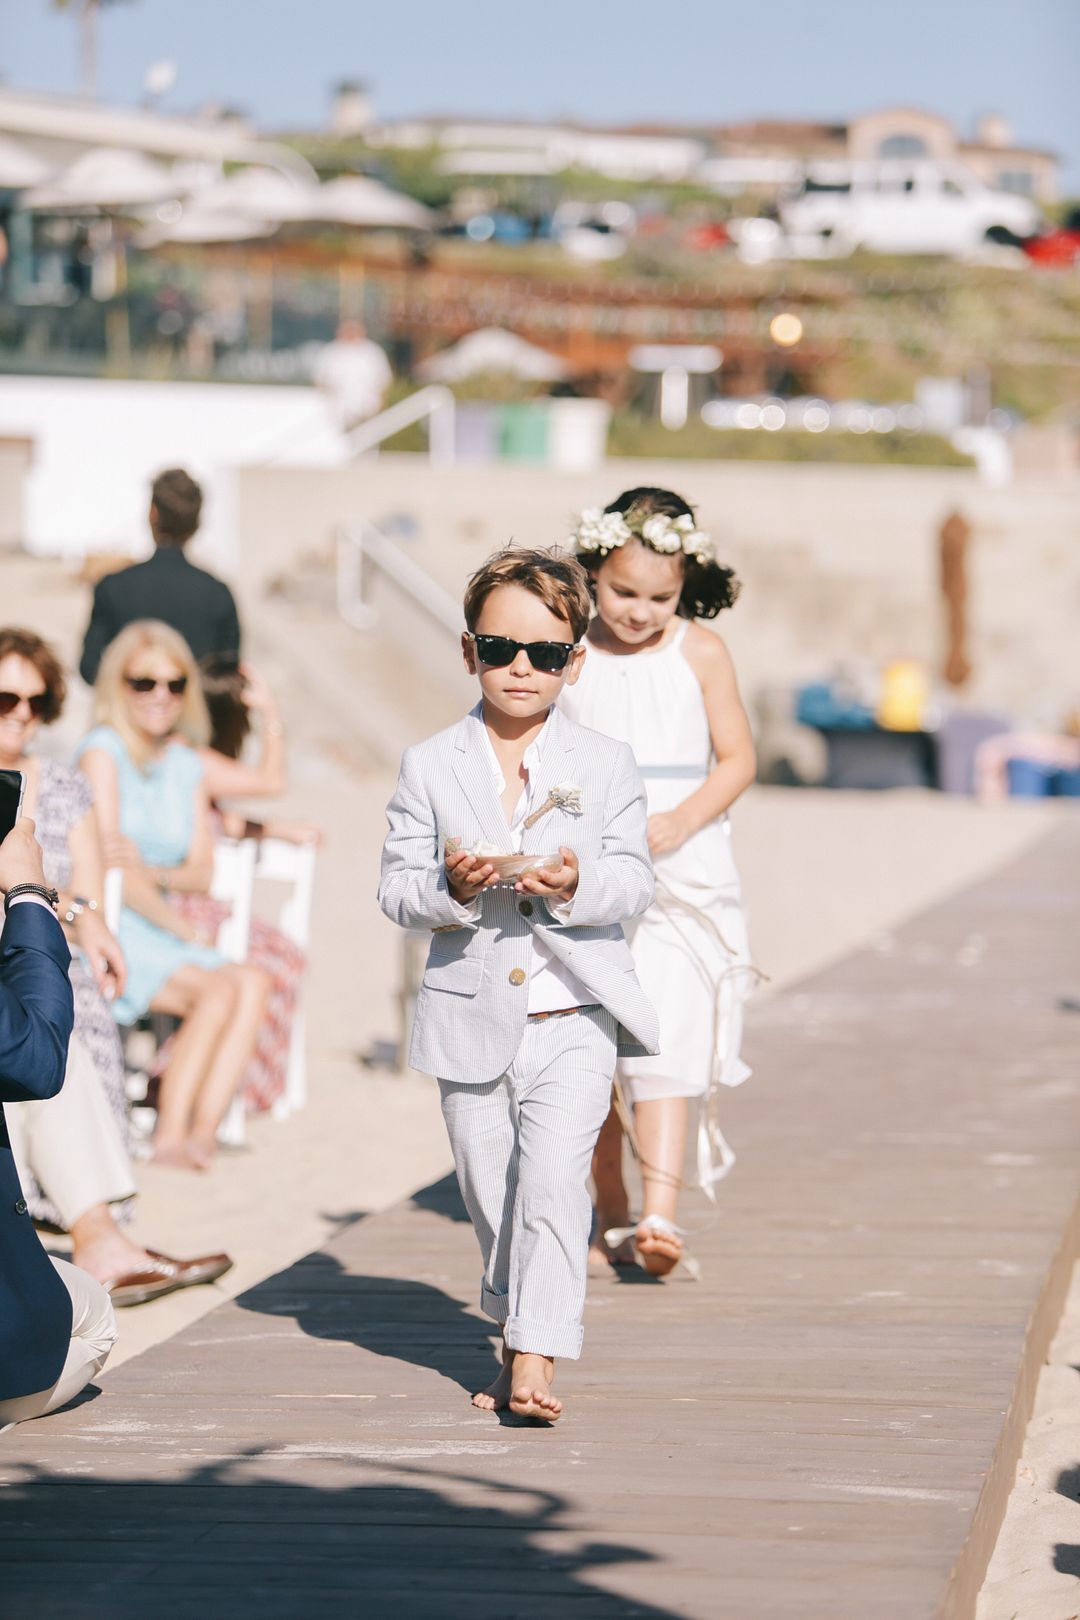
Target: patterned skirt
96	1028
263	1081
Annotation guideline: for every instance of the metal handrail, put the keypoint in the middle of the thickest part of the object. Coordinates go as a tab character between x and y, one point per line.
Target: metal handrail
362	549
434	402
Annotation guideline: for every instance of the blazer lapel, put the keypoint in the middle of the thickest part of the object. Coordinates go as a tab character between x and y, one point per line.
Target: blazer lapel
556	769
473	771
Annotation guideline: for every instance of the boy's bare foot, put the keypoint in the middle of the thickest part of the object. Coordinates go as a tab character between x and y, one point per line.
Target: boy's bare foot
530	1387
659	1245
496	1398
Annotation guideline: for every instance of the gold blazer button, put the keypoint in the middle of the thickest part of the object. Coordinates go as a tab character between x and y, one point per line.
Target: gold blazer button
517	976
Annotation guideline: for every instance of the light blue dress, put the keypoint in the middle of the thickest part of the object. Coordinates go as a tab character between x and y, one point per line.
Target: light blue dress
157	812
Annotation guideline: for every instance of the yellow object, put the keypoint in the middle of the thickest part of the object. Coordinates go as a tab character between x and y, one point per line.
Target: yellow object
786	329
517	976
905	695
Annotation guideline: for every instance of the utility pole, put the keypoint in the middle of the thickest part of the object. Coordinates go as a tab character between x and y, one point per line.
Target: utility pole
89	13
88	48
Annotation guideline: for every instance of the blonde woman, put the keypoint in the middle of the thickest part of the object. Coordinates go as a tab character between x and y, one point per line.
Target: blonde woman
147	777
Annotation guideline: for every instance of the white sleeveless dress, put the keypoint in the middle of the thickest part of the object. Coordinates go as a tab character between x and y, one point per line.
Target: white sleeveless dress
690	948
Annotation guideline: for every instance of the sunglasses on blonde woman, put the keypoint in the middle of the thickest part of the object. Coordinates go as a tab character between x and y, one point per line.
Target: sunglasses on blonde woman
38	704
144	684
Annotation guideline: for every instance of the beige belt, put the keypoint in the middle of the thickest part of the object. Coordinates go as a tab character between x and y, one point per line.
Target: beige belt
561	1012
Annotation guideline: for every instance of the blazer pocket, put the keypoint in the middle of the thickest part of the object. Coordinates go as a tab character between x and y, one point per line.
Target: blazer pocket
460	975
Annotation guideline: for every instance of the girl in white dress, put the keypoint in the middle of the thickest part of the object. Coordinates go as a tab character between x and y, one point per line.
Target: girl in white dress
659	681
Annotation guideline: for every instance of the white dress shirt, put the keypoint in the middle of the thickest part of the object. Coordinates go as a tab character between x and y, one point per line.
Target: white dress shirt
551	985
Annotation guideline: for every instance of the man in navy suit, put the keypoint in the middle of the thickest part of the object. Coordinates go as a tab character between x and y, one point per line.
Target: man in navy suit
166	586
56	1323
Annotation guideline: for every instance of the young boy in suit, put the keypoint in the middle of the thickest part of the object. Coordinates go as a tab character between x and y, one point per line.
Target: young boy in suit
529	993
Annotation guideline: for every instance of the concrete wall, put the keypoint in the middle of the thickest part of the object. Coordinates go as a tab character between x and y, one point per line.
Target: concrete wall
838	564
97	445
16	457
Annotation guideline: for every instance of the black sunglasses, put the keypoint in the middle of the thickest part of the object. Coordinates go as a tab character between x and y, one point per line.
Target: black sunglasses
38	704
496	652
146	683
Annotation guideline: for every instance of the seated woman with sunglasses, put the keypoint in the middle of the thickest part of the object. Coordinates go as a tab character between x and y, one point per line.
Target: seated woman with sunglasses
71	1150
143	764
233	693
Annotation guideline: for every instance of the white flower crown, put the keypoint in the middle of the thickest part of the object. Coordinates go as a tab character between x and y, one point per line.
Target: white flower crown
599	533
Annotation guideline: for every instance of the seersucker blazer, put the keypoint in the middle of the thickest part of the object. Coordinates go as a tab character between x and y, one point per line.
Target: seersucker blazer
473	1000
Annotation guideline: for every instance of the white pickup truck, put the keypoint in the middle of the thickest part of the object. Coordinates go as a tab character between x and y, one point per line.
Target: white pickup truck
895	206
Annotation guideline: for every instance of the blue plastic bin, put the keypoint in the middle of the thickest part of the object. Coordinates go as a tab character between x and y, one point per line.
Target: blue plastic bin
1028	779
1067	784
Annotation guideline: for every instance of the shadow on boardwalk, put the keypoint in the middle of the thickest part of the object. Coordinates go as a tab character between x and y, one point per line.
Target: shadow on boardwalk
212	1542
388	1316
442	1198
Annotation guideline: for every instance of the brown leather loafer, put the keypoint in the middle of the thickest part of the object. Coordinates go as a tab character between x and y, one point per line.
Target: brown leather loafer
204	1268
165	1276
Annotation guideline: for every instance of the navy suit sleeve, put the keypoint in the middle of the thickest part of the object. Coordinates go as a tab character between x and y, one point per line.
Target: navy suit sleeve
99	632
36	1006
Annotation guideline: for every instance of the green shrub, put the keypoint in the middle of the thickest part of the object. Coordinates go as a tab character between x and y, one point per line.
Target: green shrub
645	440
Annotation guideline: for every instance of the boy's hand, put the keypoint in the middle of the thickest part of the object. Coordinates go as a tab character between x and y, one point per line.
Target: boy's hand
467	875
559	885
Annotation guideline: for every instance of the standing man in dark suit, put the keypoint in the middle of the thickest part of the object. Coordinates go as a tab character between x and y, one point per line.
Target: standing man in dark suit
56	1323
166	586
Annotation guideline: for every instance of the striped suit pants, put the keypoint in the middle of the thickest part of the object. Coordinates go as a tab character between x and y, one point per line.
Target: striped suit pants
522	1148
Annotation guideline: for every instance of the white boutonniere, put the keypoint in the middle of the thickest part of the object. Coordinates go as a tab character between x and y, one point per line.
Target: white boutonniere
567	796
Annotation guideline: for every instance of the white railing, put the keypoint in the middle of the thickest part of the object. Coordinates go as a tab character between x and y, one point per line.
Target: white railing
435	403
363	553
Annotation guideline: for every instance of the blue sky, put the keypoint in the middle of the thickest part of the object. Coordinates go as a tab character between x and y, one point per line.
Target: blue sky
593	59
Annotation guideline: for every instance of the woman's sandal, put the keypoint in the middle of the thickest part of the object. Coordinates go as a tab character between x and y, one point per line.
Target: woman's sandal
616	1235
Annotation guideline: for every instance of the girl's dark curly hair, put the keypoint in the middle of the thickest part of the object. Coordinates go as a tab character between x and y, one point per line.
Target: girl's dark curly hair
230	718
708	588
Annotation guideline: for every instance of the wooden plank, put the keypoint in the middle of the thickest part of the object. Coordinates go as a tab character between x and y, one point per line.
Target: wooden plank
825	1426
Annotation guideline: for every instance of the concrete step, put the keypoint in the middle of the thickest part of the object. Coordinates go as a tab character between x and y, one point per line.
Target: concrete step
363	694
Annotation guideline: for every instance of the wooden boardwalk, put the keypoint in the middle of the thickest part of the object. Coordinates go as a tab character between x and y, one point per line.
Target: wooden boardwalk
825	1426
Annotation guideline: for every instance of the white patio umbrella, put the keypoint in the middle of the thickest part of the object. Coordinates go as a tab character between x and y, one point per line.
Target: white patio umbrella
356	200
491	349
115	180
260	194
19	167
199	224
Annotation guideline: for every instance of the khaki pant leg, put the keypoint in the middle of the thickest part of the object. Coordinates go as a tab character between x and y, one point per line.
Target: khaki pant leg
71	1142
93	1334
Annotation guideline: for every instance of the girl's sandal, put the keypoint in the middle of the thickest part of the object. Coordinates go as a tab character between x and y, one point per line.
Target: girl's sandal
617	1235
606	1257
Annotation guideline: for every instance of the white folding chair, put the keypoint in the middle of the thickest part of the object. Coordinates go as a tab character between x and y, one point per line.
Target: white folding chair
112	897
293	865
233	883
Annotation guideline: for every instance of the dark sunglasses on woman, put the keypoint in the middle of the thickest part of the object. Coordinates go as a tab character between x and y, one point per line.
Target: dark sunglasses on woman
551	657
146	683
38	704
